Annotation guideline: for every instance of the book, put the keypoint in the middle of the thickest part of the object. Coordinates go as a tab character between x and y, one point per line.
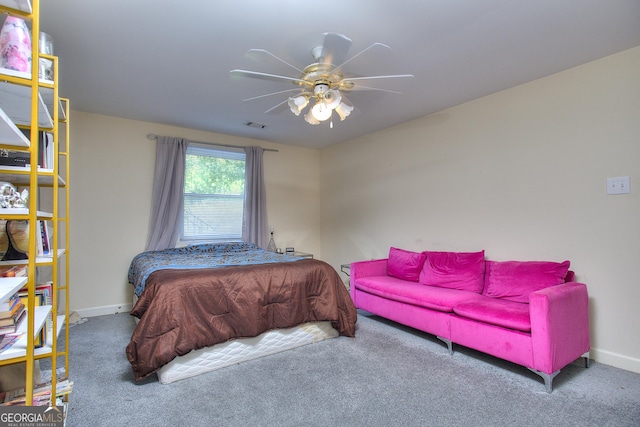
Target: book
45	150
49	153
13	271
7	340
6	306
13	328
15	307
39	249
43	296
41	393
44	240
14	317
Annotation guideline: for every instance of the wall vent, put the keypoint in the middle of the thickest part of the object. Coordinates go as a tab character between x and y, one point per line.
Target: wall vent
256	125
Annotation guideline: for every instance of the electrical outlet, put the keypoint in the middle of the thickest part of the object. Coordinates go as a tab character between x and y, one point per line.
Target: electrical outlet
618	185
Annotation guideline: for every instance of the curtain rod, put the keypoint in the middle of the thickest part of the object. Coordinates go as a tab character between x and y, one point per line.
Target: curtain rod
153	136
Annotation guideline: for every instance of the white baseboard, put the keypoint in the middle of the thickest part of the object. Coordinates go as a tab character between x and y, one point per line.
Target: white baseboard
102	311
615	359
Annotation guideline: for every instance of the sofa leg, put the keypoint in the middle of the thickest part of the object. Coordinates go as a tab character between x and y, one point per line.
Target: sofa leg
448	342
587	360
548	378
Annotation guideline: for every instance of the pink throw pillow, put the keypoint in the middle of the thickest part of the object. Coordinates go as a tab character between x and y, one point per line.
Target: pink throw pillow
515	280
454	270
404	264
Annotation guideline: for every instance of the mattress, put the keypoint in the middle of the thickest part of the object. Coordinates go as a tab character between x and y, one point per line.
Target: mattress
243	349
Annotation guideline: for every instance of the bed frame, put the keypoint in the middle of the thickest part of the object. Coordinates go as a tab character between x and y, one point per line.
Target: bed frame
240	350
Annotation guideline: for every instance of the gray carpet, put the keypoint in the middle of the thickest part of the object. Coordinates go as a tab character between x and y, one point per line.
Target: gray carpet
387	376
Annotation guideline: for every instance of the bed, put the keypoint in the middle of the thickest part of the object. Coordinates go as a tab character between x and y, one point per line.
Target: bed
203	307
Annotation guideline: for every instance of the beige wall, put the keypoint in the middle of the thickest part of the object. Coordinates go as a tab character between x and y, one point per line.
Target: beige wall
111	179
521	174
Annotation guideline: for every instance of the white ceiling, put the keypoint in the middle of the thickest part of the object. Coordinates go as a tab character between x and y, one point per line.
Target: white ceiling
168	61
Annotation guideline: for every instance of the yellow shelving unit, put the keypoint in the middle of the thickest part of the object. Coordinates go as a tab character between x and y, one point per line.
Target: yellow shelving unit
30	105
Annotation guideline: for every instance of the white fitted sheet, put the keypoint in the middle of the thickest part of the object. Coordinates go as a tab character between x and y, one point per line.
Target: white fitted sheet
240	350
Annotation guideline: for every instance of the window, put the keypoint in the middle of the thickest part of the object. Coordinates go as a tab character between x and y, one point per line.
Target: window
213	193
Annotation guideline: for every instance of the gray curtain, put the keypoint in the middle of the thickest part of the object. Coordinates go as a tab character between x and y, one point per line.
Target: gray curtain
168	191
254	221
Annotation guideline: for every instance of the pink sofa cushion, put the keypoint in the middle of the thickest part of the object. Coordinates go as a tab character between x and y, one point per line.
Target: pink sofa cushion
404	264
515	280
499	312
454	270
432	297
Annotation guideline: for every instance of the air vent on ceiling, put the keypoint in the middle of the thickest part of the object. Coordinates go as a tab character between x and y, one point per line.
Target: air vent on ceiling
256	125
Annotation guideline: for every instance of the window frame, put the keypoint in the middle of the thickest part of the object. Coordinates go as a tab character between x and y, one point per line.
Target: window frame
231	153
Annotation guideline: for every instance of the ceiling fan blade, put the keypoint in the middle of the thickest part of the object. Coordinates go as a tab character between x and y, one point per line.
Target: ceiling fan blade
346	80
297	89
373	46
361	87
334	48
259	52
356	83
267	76
275	107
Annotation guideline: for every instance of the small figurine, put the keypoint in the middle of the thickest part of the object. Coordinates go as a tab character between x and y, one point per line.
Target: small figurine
11	198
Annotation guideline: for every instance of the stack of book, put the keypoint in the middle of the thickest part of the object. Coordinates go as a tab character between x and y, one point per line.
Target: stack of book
12	313
13	271
41	394
43	296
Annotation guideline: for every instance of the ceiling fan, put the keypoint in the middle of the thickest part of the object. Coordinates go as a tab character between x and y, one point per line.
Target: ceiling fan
322	82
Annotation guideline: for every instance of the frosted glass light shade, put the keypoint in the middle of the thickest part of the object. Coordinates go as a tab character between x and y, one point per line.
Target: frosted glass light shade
343	110
332	98
297	104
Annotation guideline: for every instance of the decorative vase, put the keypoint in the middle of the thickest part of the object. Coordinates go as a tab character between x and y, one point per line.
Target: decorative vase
15	45
271	247
18	233
46	65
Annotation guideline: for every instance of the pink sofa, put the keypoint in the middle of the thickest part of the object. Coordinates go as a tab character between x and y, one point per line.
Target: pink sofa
531	313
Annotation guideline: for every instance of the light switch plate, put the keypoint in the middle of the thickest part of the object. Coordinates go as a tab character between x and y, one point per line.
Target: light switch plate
618	185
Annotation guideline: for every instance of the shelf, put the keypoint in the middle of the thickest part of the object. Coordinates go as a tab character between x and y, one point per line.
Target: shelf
10	285
19	349
63	110
7	212
10	134
45	92
19	175
29	104
47	97
21	5
23	74
16	103
40	261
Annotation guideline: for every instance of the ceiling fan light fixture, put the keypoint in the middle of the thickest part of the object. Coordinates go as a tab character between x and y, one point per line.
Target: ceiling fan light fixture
319	89
320	111
344	110
297	104
332	98
310	119
322	82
